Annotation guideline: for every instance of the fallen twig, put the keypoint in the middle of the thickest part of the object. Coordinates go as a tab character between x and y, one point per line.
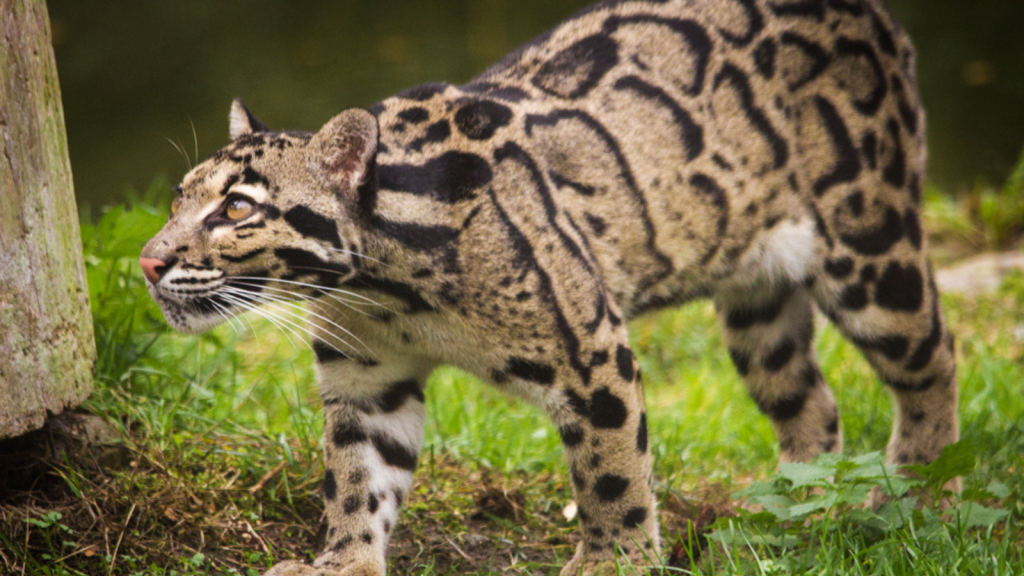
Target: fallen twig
113	559
457	549
267	477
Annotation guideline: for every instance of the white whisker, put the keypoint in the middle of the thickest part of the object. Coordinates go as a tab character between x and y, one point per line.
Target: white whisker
290	292
221	310
317	287
251	327
346	303
195	140
273	319
278	300
254	298
181	151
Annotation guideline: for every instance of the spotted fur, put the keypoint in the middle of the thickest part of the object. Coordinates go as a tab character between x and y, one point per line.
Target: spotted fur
767	154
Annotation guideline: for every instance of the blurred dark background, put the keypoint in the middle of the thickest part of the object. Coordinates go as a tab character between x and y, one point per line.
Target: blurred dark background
135	73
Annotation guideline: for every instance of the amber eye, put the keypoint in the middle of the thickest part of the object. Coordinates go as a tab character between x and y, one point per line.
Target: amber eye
176	204
238	208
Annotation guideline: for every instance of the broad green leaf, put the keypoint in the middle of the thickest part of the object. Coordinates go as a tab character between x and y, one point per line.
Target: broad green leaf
857	494
897	512
761	489
956	460
998	489
975	515
870	459
896	485
867	472
815	504
828	460
730	534
864	466
776	504
928	523
804	474
976	495
868	519
872	466
763	517
780	540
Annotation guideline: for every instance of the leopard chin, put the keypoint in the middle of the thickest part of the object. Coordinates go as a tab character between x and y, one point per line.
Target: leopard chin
193	314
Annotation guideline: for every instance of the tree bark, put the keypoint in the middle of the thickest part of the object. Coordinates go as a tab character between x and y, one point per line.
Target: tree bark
47	351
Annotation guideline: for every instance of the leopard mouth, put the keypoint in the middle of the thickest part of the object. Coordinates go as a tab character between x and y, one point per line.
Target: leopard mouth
195	304
193	310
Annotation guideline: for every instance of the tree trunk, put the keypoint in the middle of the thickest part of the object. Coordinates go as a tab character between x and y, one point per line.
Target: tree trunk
47	350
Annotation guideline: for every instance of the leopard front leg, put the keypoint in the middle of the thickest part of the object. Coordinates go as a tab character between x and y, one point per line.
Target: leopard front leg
374	416
603	426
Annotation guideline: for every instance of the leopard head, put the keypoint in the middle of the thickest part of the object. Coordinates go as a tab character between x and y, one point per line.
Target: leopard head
272	216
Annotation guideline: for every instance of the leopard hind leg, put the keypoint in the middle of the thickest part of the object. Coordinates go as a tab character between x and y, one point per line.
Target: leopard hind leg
769	338
863	171
890	310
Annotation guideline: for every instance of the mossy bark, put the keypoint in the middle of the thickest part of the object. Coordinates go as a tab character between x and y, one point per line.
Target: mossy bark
47	351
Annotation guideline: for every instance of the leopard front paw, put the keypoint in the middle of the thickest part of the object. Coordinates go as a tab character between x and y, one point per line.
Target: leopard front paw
295	568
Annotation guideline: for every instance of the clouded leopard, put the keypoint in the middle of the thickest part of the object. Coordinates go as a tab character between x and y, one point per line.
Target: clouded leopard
766	154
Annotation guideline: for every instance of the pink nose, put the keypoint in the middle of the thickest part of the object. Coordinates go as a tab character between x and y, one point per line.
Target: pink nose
153	268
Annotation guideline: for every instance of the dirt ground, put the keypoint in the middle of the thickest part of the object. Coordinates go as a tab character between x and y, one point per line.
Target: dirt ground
125	506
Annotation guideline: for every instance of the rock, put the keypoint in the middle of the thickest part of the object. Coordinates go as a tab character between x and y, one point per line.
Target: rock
983	273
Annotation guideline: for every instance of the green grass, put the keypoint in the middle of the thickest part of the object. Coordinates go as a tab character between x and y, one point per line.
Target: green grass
222	436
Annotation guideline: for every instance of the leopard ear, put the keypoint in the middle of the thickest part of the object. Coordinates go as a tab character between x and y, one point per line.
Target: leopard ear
345	148
241	122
